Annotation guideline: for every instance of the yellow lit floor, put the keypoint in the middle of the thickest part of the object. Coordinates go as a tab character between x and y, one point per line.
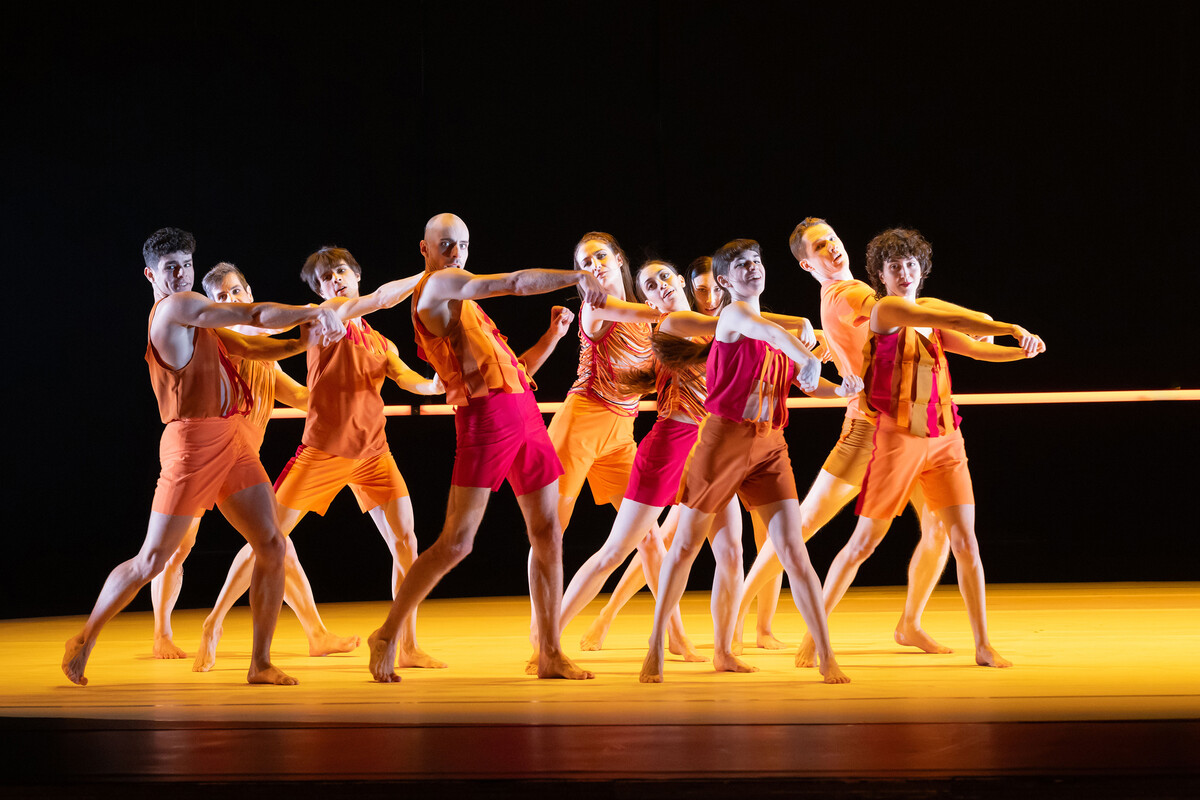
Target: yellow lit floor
1106	680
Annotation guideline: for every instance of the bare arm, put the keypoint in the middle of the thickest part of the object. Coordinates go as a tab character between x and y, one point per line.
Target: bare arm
457	284
408	378
615	310
800	327
560	322
849	386
196	310
739	318
947	306
386	296
289	391
261	348
964	345
891	313
685	324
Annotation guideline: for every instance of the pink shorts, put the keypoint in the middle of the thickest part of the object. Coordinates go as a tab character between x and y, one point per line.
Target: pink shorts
500	437
658	466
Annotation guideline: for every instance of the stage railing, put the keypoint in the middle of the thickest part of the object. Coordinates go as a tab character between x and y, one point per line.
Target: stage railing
995	398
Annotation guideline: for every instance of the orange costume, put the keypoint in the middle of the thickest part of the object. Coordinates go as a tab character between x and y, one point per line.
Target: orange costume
741	447
498	429
260	379
344	441
917	439
206	450
593	431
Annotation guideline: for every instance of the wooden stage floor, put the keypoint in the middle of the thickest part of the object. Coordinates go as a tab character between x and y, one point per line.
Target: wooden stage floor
1104	699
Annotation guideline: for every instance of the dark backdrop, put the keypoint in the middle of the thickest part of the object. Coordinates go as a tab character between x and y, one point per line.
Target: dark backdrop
1048	152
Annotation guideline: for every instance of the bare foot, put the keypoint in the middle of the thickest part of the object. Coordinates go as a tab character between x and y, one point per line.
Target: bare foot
987	656
559	666
682	646
415	657
597	632
206	654
270	674
324	643
164	647
768	641
75	659
531	666
652	667
382	658
728	662
806	656
833	673
917	637
735	646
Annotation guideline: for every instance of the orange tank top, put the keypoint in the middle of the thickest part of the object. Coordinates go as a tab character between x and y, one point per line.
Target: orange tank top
682	391
624	346
205	387
473	359
345	411
260	378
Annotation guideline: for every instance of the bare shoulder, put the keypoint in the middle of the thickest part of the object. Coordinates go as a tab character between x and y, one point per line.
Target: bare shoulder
179	308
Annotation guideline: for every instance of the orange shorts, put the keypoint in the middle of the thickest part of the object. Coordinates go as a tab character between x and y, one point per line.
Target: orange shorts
848	459
594	444
313	478
203	462
901	462
729	458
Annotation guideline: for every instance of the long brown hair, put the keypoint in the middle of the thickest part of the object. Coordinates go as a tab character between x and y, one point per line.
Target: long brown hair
677	353
615	247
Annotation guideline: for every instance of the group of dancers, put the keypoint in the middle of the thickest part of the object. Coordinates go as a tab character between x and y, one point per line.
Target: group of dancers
721	369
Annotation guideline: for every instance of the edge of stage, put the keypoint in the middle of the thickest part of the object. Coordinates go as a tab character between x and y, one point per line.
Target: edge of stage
1104	700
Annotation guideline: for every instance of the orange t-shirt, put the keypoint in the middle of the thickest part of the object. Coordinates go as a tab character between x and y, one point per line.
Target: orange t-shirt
205	387
345	411
473	358
846	321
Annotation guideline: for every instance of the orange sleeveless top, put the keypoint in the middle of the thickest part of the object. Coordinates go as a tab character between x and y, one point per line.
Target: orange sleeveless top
624	346
905	376
682	391
205	387
473	358
260	378
345	411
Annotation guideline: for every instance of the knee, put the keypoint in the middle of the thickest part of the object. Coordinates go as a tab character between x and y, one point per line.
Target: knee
272	550
451	549
965	548
728	555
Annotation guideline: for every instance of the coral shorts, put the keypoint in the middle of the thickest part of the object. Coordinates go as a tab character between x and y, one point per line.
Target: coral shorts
313	478
902	462
730	458
848	459
594	444
502	437
658	466
203	462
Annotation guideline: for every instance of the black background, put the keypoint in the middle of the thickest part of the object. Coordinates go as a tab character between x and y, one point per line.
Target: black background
1047	151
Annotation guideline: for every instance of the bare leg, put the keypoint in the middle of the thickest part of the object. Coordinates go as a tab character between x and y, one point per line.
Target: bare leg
725	536
767	596
651	552
924	571
867	535
826	497
689	538
464	512
959	521
164	534
164	591
395	522
783	525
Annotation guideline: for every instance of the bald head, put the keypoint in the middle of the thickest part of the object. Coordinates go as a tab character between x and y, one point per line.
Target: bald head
445	243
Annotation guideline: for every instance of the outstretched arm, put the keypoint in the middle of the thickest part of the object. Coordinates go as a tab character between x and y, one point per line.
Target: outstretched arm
196	310
408	378
964	345
742	319
947	306
386	296
800	327
261	348
457	284
891	313
289	391
685	324
851	385
615	310
560	322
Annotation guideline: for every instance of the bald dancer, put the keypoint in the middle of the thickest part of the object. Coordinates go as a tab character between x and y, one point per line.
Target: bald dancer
267	381
206	451
500	434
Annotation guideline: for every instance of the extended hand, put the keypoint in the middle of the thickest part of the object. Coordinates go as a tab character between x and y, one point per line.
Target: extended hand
328	325
851	385
561	318
810	374
594	294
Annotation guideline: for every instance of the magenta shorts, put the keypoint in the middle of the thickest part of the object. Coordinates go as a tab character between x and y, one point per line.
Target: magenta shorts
502	436
661	456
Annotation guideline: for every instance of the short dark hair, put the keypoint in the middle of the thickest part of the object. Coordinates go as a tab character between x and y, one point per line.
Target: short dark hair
323	259
796	240
165	241
723	258
897	243
213	279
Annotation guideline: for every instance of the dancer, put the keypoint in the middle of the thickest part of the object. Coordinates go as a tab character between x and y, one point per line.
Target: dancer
343	444
917	437
741	450
206	448
267	382
499	431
